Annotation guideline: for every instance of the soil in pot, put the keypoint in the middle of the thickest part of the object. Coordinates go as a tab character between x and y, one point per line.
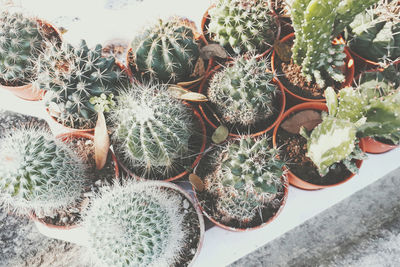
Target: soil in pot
96	178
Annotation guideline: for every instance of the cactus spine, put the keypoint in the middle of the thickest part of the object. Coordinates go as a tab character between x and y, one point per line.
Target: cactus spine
242	25
243	92
166	51
138	224
38	173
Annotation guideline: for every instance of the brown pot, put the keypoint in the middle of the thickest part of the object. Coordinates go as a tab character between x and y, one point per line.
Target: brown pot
349	64
373	146
194	164
205	112
293	179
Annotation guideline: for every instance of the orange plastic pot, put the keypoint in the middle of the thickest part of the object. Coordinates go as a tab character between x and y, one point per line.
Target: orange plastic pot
373	146
366	64
349	64
194	164
293	179
213	122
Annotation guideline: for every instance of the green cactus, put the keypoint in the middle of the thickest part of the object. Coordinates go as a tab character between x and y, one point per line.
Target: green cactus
138	224
72	76
243	92
38	173
375	33
247	175
315	24
242	25
151	128
20	43
166	51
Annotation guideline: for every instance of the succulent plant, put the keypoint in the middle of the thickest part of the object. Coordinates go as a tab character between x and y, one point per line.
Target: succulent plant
21	41
138	224
166	51
375	33
316	23
72	76
247	176
243	92
242	25
38	172
151	129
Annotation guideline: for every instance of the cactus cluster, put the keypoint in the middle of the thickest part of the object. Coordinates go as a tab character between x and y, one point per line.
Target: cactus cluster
248	174
316	23
72	76
375	33
38	173
243	91
166	51
138	224
242	25
151	129
21	41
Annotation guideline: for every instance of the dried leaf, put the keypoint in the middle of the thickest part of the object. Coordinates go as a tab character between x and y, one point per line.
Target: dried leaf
283	50
101	141
308	118
220	134
199	68
194	97
196	182
189	83
212	50
176	91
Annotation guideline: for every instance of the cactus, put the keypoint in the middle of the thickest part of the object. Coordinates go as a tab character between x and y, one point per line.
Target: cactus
138	224
243	92
242	25
38	173
151	128
375	33
20	43
72	76
166	51
316	23
247	175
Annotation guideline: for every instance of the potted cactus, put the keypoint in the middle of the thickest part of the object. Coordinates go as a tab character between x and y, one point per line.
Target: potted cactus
374	35
316	60
154	135
243	96
149	223
72	76
22	38
244	185
241	26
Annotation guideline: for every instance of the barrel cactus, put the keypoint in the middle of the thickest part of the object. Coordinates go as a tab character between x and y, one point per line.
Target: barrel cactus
21	41
72	76
316	23
138	224
242	25
243	92
248	175
166	51
38	173
375	33
151	129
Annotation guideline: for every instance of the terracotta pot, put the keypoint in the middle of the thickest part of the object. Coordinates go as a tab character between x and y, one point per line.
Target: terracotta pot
293	179
373	146
28	91
194	164
366	64
71	233
206	20
349	64
207	114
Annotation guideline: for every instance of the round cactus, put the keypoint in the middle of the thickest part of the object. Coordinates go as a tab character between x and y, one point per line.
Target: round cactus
247	176
38	173
166	51
243	92
72	76
151	128
20	43
242	25
138	224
